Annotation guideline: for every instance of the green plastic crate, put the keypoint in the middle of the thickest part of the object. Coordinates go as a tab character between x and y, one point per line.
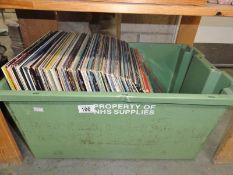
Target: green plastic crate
169	125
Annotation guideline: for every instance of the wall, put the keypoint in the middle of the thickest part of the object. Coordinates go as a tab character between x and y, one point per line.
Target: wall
149	28
215	30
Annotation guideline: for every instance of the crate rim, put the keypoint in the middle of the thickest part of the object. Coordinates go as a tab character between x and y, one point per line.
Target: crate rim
115	97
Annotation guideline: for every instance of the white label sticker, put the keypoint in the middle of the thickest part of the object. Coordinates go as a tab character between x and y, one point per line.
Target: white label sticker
38	109
86	109
118	109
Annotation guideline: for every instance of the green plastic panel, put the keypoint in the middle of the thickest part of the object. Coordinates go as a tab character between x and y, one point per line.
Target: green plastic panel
169	125
60	131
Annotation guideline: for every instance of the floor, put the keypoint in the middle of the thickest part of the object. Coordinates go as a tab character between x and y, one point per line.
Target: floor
202	165
214	52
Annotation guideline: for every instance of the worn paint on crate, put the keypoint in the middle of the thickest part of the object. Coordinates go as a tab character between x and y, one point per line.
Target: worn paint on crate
175	131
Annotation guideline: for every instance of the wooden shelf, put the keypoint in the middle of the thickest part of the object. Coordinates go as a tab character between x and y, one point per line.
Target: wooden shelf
108	7
10	152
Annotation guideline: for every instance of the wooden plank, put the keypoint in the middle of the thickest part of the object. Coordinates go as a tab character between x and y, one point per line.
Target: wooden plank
188	29
24	4
224	152
118	25
85	6
177	2
9	151
31	29
34	24
174	2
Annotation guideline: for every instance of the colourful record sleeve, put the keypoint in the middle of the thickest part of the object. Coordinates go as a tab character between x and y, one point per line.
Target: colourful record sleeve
67	61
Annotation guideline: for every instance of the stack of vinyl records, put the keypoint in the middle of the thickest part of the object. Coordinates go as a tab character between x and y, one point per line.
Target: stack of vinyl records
66	61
